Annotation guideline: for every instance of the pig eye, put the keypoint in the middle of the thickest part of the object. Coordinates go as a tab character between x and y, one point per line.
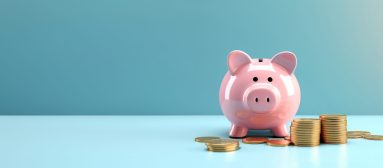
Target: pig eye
255	79
269	79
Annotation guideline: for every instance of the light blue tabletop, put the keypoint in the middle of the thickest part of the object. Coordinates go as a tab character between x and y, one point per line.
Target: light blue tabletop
163	141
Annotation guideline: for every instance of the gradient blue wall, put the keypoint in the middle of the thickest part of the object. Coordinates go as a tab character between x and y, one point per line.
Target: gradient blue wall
169	56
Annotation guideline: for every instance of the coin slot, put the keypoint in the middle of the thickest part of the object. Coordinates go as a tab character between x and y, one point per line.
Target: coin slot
268	99
256	99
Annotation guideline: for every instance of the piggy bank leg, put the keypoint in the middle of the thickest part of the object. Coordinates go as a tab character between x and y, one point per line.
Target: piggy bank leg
280	131
238	131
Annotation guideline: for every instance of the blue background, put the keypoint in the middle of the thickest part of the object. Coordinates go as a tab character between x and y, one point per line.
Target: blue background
169	56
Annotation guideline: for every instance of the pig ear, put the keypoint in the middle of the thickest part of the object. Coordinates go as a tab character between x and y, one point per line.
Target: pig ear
237	59
287	60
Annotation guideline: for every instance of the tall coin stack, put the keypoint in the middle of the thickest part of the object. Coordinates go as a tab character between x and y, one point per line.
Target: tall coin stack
334	128
305	132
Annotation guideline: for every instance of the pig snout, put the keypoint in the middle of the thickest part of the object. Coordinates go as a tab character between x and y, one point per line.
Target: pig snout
261	98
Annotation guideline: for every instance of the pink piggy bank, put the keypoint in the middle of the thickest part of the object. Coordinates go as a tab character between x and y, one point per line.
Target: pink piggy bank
259	93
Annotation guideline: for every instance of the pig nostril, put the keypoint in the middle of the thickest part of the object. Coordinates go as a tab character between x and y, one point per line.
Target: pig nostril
256	99
267	99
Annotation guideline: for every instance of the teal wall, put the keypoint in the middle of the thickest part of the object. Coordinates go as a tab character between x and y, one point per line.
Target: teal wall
169	56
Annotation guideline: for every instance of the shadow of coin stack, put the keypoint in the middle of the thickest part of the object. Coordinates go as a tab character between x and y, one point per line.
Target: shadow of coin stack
334	128
305	132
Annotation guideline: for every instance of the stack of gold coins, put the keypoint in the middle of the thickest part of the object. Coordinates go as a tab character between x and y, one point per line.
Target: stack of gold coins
305	132
334	128
222	145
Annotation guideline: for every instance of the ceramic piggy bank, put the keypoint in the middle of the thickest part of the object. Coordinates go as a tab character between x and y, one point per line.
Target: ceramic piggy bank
259	93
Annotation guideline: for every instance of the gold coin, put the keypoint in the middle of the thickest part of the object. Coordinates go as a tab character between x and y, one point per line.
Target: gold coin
231	150
305	137
221	141
306	120
332	118
334	130
324	131
305	127
222	146
306	131
333	115
354	136
331	140
335	138
223	150
306	142
335	142
226	148
305	124
374	137
324	121
333	121
334	124
304	145
313	131
334	134
358	133
204	139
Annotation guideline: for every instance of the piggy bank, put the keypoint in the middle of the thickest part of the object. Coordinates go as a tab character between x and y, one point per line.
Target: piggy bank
259	94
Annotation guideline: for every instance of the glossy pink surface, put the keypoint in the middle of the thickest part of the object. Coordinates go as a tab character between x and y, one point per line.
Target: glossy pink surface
260	93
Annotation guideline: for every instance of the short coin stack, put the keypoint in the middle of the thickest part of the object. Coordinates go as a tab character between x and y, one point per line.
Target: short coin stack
222	145
334	128
374	137
305	132
357	134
